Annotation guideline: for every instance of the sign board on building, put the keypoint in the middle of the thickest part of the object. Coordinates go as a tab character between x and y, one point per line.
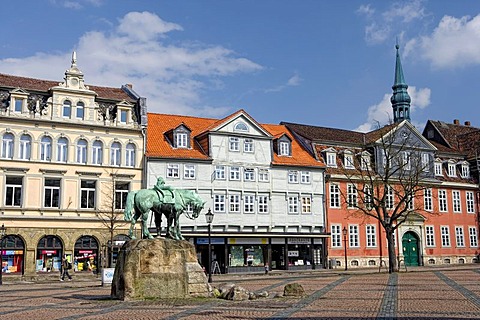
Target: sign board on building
107	275
247	240
214	241
299	241
293	253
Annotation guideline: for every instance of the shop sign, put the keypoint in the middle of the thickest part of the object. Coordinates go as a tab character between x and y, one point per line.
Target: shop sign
278	240
214	241
85	251
299	241
118	243
247	240
293	253
49	251
317	241
107	275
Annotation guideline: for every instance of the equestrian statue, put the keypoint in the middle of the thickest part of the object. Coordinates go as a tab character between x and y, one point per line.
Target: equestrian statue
161	199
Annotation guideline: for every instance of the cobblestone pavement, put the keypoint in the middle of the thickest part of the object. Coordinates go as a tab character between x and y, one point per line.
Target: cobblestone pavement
423	292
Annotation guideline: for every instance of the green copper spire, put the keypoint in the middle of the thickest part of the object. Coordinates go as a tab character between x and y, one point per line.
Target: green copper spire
400	99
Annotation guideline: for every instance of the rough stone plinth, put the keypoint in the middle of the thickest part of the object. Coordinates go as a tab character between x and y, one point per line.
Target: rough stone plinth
158	268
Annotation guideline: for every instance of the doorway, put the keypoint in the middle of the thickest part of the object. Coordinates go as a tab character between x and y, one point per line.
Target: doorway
410	249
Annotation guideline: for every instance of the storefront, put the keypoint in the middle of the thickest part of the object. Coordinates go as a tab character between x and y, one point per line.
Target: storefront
12	254
86	254
49	254
218	254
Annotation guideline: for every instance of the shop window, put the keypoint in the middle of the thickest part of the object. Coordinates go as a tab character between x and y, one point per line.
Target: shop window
86	254
49	254
247	255
13	254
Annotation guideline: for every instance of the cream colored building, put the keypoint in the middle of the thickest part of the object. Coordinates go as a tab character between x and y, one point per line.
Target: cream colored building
69	154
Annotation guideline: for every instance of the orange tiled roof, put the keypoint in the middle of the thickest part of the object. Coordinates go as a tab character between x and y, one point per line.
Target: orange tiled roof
45	85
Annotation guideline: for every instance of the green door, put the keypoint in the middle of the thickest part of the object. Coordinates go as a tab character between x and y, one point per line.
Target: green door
410	249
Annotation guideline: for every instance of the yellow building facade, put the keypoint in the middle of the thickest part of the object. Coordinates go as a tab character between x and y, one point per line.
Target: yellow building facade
69	154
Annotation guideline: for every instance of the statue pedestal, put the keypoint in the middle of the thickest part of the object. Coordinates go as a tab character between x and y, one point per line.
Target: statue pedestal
158	268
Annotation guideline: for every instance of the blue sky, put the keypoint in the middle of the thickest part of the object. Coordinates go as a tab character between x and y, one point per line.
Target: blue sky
326	63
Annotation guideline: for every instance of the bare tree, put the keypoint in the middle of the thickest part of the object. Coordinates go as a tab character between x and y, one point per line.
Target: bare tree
392	189
110	212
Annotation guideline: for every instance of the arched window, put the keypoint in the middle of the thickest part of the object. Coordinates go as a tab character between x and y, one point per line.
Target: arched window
25	150
13	256
46	148
67	109
130	155
86	254
62	149
81	154
49	253
241	127
97	152
115	154
80	112
7	146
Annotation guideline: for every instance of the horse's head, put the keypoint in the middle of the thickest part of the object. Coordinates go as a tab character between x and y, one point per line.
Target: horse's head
197	208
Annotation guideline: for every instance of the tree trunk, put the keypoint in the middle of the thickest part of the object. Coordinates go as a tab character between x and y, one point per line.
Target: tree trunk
392	259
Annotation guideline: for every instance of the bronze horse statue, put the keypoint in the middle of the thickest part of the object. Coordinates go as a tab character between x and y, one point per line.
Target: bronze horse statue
139	203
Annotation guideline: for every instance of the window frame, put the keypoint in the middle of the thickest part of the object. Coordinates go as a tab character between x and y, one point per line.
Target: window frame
13	189
292	204
430	236
442	200
234	144
88	194
53	191
189	171
173	170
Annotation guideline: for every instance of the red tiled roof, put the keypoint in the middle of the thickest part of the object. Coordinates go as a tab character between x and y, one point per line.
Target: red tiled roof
45	85
456	135
333	135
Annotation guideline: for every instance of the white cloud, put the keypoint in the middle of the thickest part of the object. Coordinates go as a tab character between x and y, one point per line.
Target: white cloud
407	11
77	4
381	113
173	78
455	42
366	10
294	81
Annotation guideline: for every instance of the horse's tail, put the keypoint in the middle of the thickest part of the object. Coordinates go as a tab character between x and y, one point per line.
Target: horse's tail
129	206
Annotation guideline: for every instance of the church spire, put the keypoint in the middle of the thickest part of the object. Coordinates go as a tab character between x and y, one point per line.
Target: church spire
400	99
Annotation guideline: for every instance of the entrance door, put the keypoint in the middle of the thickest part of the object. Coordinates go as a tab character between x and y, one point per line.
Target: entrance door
410	249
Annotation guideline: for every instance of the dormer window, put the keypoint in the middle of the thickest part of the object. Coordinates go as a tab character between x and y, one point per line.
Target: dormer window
452	171
181	140
425	162
242	127
123	116
18	105
331	157
67	109
465	170
365	160
80	110
438	168
284	148
348	160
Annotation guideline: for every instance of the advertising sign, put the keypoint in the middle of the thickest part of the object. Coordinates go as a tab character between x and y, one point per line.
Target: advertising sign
107	275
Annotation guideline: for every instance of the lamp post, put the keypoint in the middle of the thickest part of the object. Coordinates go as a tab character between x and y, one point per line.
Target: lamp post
209	218
344	231
2	234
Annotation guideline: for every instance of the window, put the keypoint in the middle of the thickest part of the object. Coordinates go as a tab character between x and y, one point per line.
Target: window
427	199
51	193
331	159
406	161
189	171
336	236
445	236
334	196
438	169
348	161
80	112
235	203
234	144
262	204
123	116
181	140
240	126
219	203
220	172
456	201
173	171
305	177
465	171
389	199
425	162
234	173
87	198
459	237
248	145
292	176
293	205
368	196
18	105
13	195
67	109
263	175
62	149
7	146
284	148
97	152
130	155
365	162
249	174
371	235
472	231
46	148
306	205
249	203
452	172
470	202
409	201
442	200
25	150
115	154
353	238
430	236
351	195
81	151
121	192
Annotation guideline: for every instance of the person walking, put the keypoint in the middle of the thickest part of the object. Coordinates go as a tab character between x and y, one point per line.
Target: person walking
66	265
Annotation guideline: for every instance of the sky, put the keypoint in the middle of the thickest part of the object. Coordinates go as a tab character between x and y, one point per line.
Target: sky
317	62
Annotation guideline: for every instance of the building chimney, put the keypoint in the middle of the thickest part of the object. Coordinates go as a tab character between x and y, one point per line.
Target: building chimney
467	123
456	121
129	85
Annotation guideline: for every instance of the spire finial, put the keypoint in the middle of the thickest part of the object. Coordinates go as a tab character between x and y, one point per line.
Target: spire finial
74	59
400	99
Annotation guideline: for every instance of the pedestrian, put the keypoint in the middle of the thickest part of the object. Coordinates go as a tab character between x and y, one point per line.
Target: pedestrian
66	265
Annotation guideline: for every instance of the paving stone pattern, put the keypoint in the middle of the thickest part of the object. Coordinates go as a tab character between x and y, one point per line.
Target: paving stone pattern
420	293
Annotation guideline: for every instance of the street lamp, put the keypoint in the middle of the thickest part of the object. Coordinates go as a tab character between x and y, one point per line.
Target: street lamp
344	231
2	234
209	218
